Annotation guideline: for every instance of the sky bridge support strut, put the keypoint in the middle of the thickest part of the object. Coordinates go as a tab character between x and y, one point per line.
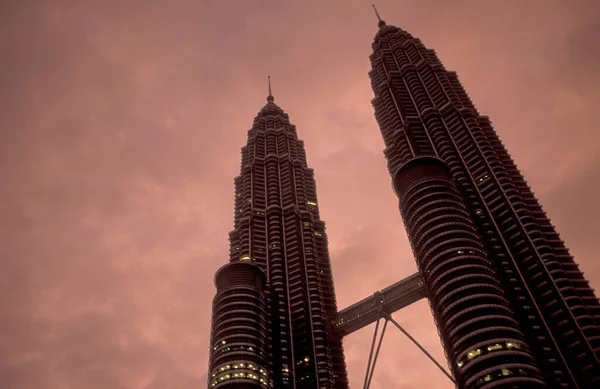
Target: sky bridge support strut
374	353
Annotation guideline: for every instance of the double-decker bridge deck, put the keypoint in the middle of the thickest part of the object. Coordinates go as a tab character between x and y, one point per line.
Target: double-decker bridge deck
374	307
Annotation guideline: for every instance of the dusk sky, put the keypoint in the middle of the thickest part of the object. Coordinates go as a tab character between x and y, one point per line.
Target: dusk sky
121	123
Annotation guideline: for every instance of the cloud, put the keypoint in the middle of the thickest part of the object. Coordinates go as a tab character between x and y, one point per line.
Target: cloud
121	125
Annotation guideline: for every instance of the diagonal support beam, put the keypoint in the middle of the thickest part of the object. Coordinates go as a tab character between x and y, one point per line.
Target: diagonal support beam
371	354
371	366
374	352
389	317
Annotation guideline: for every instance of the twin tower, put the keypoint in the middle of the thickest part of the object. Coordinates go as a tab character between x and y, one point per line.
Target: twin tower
512	308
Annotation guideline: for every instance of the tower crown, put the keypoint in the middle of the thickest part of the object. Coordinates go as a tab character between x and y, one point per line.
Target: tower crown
271	108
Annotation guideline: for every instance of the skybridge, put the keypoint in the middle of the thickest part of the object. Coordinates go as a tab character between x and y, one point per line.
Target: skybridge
389	300
379	306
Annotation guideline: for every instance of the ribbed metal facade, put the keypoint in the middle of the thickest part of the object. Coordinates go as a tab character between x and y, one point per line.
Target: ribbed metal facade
278	229
511	305
238	357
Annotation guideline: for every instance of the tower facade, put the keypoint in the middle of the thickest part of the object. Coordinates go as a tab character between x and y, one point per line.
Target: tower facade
512	308
275	299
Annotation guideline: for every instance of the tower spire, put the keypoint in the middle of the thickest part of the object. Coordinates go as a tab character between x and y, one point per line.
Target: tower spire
270	96
381	22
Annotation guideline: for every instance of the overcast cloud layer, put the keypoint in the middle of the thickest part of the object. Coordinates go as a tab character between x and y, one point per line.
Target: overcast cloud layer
121	124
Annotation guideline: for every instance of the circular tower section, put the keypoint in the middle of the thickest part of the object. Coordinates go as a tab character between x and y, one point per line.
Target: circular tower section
482	338
239	329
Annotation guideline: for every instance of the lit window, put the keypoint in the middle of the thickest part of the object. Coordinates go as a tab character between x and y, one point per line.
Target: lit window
474	353
494	347
245	258
311	203
318	233
487	378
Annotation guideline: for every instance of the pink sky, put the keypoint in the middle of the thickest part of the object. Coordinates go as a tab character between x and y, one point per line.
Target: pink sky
121	124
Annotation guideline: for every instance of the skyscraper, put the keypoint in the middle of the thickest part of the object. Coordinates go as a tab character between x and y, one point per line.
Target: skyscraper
512	308
275	299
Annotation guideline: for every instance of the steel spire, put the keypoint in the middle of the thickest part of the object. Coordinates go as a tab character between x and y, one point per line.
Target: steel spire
270	96
381	22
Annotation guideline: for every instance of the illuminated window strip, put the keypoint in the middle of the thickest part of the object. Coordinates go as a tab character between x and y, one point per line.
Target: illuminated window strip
224	348
244	373
486	349
239	366
500	373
